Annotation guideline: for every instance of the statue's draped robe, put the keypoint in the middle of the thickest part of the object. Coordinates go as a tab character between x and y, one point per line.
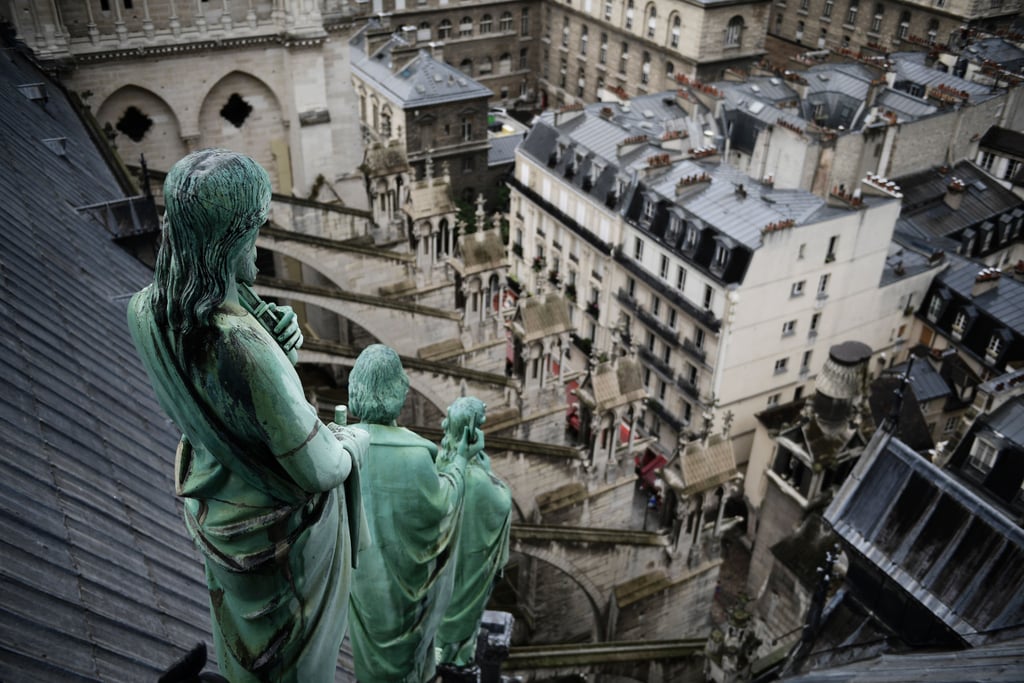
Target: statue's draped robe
278	553
481	553
404	580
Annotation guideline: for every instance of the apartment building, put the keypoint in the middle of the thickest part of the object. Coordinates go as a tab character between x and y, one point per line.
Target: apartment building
731	290
882	27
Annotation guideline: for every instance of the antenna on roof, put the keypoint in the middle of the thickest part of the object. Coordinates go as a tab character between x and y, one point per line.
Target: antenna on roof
892	422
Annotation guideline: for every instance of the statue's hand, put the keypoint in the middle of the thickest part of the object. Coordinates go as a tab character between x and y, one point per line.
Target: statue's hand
287	332
355	440
471	443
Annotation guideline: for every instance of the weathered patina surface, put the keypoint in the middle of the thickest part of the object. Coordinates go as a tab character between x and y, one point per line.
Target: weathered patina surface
482	548
271	493
404	580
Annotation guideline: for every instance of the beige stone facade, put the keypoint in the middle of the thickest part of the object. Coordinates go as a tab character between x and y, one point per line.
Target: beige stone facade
600	49
885	26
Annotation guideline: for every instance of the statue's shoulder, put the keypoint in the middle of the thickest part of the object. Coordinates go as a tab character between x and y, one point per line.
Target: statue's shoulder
384	435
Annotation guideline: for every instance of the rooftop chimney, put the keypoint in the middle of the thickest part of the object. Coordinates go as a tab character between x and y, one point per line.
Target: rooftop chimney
840	383
954	193
986	279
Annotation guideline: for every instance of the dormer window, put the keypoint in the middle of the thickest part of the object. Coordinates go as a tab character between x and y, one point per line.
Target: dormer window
937	305
721	256
649	207
690	241
995	347
959	325
983	455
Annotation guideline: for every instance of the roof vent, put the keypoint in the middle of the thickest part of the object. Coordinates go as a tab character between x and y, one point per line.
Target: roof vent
648	114
775	81
58	146
755	87
822	77
35	92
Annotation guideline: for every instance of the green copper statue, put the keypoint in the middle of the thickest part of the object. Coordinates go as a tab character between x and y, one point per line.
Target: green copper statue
404	580
482	549
271	493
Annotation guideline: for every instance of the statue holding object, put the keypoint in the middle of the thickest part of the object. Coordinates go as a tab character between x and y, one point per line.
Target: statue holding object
272	495
404	580
482	549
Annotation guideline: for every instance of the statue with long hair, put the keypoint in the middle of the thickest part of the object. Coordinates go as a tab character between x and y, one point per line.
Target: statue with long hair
404	580
482	549
271	493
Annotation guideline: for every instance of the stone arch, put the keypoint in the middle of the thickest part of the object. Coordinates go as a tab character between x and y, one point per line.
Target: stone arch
161	136
590	590
241	113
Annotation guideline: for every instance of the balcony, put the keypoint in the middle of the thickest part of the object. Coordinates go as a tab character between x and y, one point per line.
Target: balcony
657	363
677	423
517	250
593	310
691	348
562	218
704	316
663	330
688	388
582	343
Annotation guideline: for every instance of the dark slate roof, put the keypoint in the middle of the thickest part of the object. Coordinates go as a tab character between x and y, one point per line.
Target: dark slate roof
503	148
1003	140
99	578
925	381
996	663
997	50
926	215
1008	421
1003	303
912	71
898	512
420	82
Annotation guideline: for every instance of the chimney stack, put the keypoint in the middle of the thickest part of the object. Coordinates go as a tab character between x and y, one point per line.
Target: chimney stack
840	383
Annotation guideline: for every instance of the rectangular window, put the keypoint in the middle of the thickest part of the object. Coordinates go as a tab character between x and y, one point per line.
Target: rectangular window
781	365
672	318
650	341
709	297
524	22
950	425
830	256
987	158
823	285
698	338
691	374
623	58
805	362
934	307
655	306
721	256
663	268
661	390
797	289
788	328
666	355
773	400
995	347
983	455
638	249
680	278
523	55
815	319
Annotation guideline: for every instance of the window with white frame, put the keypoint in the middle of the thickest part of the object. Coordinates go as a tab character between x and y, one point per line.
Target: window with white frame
815	322
823	285
505	23
466	27
638	248
960	323
709	297
672	318
721	256
652	23
444	29
698	338
629	14
797	288
602	53
649	207
983	455
934	307
680	278
584	38
655	306
781	365
995	347
788	328
773	400
486	24
663	267
677	27
851	12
